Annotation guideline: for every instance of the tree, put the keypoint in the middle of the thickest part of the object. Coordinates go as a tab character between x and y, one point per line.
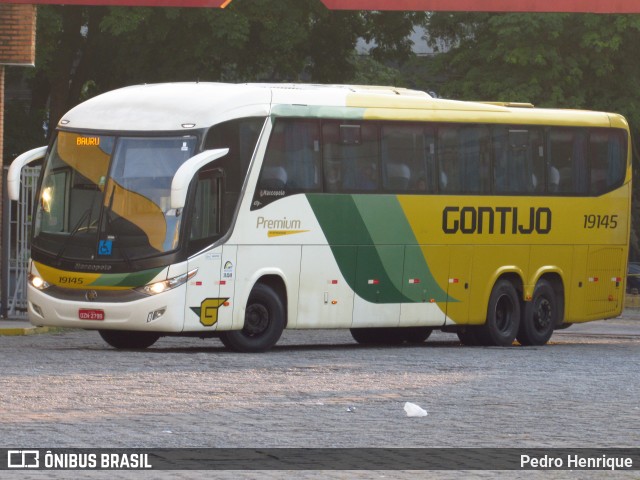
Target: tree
559	60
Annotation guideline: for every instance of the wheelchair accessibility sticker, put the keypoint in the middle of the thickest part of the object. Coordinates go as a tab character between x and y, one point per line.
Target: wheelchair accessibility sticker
105	247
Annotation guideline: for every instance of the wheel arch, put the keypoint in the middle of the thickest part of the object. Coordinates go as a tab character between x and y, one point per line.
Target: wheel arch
513	275
554	278
277	284
275	279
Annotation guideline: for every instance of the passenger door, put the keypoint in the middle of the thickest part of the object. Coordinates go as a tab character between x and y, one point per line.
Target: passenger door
205	224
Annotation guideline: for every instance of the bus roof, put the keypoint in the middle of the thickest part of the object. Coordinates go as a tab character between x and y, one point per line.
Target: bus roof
184	106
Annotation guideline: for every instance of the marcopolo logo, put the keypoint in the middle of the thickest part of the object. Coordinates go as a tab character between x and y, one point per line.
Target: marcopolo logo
23	459
496	220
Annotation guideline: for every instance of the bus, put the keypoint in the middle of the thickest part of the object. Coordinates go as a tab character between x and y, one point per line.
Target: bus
238	210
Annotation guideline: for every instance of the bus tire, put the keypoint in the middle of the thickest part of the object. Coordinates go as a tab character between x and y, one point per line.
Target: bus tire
264	322
540	316
503	316
123	339
416	335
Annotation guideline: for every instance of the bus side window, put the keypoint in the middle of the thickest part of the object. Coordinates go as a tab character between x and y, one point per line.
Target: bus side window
567	154
350	156
464	157
332	158
407	156
292	161
448	160
240	137
518	160
607	160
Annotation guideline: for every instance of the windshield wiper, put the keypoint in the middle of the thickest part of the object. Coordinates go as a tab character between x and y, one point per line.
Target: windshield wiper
106	213
76	229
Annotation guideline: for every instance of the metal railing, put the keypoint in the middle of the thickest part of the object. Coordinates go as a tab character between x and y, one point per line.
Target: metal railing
16	231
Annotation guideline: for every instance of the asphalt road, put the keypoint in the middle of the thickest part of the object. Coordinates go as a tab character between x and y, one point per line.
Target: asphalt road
321	389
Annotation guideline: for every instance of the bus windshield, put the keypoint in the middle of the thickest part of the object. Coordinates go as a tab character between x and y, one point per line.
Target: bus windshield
108	198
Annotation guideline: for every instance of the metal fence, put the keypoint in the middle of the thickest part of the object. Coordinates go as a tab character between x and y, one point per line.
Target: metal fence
16	230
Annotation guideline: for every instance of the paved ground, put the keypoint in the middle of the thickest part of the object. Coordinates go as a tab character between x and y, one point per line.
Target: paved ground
320	389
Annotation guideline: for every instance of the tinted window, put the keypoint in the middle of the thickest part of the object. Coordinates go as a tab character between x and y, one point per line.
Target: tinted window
417	158
567	161
408	158
350	154
464	157
607	158
518	160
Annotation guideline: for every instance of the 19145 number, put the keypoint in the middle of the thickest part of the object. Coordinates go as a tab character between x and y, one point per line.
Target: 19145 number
600	221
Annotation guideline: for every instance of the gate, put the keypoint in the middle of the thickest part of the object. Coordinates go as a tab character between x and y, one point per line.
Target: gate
16	230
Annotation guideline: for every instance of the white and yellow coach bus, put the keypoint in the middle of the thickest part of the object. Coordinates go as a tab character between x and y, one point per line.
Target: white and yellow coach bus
235	211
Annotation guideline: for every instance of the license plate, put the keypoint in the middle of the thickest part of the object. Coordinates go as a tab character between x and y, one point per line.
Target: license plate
90	314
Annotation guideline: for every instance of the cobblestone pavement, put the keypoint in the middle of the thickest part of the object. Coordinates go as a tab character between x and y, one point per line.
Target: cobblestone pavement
320	389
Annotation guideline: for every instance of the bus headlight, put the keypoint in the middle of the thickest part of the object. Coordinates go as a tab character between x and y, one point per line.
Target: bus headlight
38	282
47	198
168	284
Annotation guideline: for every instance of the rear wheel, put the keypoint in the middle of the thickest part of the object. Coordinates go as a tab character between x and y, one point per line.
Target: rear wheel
540	316
503	316
123	339
264	322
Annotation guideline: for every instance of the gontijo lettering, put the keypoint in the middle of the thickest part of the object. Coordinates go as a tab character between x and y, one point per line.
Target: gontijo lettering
496	220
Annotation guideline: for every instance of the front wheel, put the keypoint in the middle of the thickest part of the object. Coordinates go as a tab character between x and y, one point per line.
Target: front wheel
503	316
264	322
122	339
540	316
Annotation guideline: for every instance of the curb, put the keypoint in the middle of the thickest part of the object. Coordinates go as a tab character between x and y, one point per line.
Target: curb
11	331
16	331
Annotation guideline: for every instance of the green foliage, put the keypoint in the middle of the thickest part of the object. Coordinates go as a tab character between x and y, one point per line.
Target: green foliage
22	131
369	71
560	60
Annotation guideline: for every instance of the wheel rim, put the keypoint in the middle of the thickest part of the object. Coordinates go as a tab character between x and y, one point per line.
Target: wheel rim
542	315
256	320
504	313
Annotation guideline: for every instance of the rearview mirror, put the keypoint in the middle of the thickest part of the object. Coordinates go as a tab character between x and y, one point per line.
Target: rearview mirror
184	174
13	177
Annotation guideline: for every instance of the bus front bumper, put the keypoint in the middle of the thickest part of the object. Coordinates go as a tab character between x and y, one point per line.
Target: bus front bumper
158	313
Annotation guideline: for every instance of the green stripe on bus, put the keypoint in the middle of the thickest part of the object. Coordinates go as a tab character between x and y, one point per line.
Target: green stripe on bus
373	255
